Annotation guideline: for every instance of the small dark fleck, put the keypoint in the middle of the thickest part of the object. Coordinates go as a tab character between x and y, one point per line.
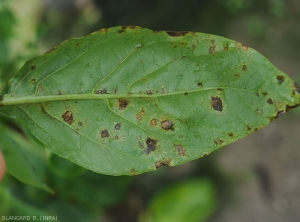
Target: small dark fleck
115	90
216	103
68	117
199	84
151	145
231	135
296	86
244	67
32	80
249	128
280	79
167	125
226	47
116	137
153	122
162	163
80	124
257	94
123	103
33	67
237	75
194	45
133	172
118	126
102	91
186	93
218	141
123	28
175	34
180	149
59	92
104	133
264	94
149	92
183	57
270	101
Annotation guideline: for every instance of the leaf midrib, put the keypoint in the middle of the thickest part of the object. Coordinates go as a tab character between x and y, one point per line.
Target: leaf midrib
18	100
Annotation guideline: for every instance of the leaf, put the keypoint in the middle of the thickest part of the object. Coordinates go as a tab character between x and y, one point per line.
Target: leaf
21	161
127	100
193	200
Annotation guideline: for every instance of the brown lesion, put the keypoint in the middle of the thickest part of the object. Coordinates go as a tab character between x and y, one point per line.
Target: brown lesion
162	163
216	104
68	117
104	133
280	79
141	114
180	150
167	125
219	141
153	122
151	145
123	103
176	34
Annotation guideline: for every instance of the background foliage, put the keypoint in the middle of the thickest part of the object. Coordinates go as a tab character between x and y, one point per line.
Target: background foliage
255	179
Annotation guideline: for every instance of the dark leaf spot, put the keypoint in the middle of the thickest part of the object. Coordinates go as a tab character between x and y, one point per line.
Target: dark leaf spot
151	145
118	126
32	80
149	92
264	94
186	93
116	137
257	94
33	67
180	149
237	75
102	91
280	79
194	46
80	124
244	67
162	163
216	103
218	141
123	103
199	84
167	125
175	34
270	101
104	133
183	57
249	128
231	134
153	122
68	117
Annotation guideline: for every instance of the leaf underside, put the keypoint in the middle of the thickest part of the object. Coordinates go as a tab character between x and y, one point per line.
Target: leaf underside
126	100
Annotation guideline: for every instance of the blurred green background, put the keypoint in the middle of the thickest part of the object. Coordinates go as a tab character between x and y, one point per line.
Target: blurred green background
254	179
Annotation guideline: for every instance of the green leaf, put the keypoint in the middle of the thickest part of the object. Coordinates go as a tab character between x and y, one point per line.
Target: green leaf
193	200
21	161
127	100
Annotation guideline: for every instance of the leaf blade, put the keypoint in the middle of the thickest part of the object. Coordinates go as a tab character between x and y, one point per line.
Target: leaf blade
130	100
